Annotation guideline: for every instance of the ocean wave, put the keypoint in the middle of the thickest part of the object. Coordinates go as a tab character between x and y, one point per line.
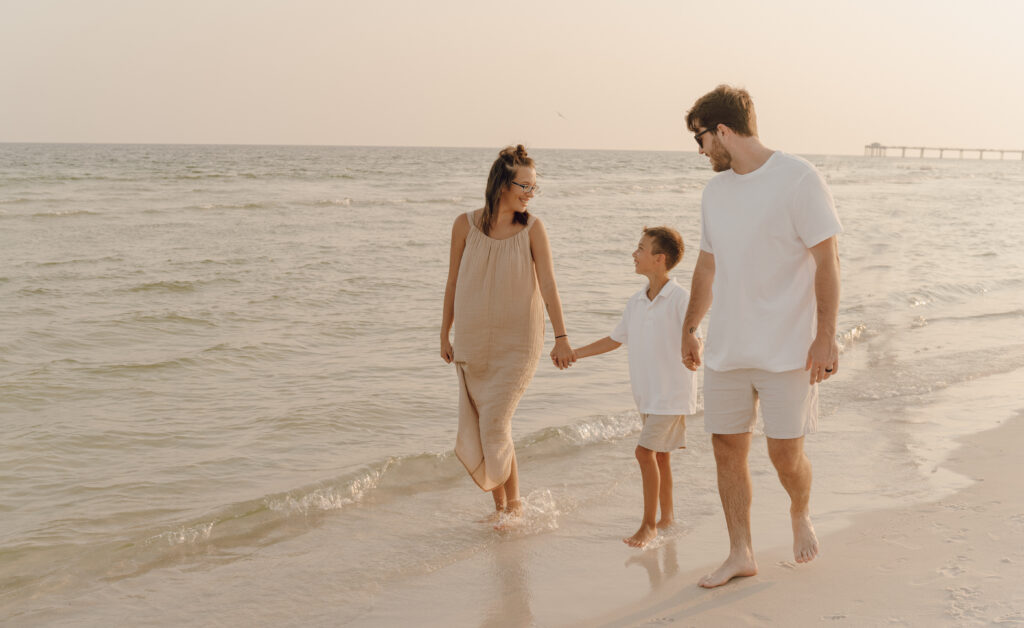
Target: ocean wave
176	286
396	476
599	429
39	292
135	367
160	319
984	316
185	535
928	376
332	495
169	286
951	292
65	213
386	202
250	205
93	260
850	337
336	202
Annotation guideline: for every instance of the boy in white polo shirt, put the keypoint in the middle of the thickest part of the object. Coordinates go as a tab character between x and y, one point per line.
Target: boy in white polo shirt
664	389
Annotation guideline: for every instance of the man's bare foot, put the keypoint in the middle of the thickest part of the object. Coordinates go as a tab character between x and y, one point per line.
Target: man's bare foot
666	522
734	567
643	536
805	543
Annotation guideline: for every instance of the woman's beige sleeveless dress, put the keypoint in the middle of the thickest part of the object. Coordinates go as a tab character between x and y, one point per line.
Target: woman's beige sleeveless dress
499	335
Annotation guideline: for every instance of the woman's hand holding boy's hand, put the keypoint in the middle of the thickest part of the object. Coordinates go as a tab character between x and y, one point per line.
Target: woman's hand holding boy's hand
562	355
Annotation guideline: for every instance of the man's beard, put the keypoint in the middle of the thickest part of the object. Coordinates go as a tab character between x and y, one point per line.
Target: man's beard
720	158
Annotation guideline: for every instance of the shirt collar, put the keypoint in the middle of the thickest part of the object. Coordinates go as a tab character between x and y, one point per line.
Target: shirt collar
670	286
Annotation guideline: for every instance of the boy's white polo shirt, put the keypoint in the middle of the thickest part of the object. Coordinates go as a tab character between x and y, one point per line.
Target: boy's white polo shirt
653	330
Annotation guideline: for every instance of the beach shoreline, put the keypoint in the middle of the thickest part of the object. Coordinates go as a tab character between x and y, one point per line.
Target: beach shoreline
955	561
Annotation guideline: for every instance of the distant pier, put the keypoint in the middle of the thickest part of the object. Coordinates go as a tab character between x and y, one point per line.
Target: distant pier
878	150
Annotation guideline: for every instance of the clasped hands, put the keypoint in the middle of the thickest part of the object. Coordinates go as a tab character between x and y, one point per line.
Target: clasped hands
562	355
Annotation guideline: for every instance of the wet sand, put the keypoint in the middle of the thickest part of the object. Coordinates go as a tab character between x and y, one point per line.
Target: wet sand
957	561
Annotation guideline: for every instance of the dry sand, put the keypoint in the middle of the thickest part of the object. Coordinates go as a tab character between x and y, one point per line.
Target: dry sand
958	561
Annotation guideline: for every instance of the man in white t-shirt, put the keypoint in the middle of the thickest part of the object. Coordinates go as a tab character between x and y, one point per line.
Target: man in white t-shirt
769	256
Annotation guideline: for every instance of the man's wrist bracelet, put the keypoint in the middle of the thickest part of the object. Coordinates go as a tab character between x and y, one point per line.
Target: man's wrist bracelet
562	336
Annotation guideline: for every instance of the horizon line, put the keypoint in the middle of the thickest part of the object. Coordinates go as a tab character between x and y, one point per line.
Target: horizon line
635	150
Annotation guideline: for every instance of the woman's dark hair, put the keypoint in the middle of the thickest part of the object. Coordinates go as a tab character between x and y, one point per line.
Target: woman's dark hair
503	171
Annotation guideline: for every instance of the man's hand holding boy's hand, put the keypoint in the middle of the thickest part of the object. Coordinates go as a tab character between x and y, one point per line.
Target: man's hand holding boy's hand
692	350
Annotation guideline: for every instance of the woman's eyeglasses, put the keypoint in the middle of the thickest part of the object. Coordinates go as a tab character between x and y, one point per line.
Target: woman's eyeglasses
528	188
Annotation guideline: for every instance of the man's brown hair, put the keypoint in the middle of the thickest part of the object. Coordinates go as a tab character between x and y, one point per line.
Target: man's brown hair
668	241
728	105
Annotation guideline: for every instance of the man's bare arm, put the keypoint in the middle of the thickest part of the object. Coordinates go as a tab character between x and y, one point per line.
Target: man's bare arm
700	303
823	356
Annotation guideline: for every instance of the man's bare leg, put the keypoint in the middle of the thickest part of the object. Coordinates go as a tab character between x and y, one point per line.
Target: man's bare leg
795	473
736	491
664	459
651	479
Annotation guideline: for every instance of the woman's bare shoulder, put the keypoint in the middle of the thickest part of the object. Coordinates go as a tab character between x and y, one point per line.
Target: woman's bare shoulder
460	227
536	226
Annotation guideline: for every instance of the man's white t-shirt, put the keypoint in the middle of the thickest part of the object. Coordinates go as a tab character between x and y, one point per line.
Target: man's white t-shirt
653	330
759	226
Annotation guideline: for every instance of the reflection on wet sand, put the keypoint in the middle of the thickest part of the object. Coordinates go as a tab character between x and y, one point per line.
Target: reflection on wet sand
511	604
648	559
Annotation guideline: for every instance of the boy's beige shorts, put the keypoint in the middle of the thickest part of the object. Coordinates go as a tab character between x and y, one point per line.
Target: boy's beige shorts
663	432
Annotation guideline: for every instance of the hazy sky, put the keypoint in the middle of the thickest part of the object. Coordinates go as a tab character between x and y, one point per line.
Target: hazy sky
826	76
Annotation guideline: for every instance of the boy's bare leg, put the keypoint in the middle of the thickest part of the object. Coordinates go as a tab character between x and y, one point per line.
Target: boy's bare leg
664	459
735	490
651	479
795	473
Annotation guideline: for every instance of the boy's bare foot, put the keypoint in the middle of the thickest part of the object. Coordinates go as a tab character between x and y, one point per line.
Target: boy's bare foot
666	522
643	536
734	567
805	542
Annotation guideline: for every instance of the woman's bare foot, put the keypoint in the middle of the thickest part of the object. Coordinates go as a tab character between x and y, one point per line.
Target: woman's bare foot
666	522
511	516
492	518
643	536
737	566
805	542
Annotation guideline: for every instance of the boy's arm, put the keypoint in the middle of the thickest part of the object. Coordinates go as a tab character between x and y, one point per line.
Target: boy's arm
603	345
700	303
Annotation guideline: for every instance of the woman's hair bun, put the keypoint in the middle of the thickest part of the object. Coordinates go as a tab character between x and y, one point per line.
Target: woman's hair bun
517	152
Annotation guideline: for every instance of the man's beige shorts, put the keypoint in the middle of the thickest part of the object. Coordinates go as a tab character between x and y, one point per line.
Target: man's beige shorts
663	432
789	403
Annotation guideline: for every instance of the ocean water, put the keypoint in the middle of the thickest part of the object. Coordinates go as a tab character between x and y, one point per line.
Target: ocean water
222	402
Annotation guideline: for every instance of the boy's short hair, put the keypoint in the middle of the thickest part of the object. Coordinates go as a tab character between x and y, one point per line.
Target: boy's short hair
666	240
728	105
